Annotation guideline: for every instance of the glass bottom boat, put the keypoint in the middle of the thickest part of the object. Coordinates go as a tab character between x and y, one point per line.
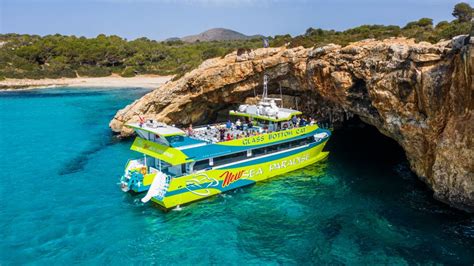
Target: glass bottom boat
180	167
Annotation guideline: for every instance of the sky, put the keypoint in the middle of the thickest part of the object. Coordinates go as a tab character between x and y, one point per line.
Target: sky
161	19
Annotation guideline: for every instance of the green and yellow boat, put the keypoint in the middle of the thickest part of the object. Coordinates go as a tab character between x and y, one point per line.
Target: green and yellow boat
180	167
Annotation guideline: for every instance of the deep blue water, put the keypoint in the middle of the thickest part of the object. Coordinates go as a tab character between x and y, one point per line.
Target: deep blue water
60	202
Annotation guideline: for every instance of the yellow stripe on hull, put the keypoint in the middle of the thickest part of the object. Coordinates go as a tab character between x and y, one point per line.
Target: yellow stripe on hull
198	186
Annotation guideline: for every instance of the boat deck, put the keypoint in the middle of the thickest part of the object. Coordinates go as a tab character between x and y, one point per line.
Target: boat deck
212	133
183	141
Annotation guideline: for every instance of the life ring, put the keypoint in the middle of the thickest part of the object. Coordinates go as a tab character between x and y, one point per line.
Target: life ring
143	170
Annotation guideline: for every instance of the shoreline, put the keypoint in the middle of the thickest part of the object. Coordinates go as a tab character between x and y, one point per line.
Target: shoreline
113	81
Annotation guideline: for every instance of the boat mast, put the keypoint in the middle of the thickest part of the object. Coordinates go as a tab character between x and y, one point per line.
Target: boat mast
265	87
281	96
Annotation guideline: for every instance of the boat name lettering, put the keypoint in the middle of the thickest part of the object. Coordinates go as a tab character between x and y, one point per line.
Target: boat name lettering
253	140
274	136
288	163
300	130
280	134
230	177
152	148
253	172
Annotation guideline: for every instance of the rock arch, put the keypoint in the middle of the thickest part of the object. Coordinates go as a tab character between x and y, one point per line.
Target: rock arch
419	94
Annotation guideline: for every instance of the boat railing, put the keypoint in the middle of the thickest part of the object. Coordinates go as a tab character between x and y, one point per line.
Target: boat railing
152	170
211	134
201	127
134	163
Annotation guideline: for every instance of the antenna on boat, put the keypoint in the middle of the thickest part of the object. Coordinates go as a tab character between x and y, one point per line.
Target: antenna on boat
281	96
265	87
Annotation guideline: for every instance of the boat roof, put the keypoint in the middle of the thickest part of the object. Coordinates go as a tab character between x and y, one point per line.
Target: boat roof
184	141
157	128
163	152
277	114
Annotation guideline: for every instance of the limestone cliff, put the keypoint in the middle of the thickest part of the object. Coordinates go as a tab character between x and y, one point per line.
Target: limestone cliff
419	94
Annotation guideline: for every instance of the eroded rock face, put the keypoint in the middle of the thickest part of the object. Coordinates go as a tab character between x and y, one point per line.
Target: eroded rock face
419	94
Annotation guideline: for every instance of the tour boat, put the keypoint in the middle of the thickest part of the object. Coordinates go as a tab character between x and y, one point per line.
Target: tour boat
178	167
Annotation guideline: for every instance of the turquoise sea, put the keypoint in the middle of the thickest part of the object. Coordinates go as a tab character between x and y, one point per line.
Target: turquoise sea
60	202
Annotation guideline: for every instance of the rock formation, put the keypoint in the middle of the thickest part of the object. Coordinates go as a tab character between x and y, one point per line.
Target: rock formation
419	94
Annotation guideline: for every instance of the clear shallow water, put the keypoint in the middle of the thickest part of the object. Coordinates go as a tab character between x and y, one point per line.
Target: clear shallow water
60	202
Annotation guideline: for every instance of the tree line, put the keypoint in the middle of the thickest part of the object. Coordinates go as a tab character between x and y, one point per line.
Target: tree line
54	56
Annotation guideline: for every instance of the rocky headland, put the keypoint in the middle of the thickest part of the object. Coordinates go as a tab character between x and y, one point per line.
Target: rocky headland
419	94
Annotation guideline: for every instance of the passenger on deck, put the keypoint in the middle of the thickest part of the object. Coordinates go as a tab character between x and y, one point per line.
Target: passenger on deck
222	134
302	122
238	124
142	120
229	137
190	130
312	121
250	124
228	125
294	120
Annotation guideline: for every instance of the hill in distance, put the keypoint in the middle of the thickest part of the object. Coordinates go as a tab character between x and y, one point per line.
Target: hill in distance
218	34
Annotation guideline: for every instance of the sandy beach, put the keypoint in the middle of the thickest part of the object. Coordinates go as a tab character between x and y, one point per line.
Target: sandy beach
115	81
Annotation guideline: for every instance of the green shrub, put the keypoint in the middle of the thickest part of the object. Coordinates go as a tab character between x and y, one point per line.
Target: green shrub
128	72
33	56
93	71
211	53
463	12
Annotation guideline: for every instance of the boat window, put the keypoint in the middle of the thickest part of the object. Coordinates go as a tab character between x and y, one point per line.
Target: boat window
272	149
284	146
200	165
164	165
255	153
230	158
176	170
258	152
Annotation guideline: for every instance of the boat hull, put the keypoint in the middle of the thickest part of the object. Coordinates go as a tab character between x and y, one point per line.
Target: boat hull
201	185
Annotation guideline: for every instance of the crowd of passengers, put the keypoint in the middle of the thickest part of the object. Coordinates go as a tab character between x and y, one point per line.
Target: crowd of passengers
242	129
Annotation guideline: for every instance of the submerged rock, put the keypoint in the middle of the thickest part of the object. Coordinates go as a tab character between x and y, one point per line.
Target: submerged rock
419	94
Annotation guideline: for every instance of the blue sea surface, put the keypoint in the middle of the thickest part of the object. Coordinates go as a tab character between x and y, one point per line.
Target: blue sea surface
60	202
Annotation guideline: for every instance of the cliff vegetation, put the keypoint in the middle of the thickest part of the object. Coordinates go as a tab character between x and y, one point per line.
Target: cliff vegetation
54	56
